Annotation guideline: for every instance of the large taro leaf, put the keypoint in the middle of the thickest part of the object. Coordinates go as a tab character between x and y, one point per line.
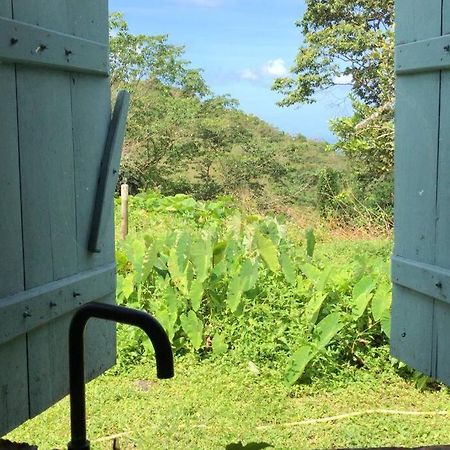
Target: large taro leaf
297	364
327	329
268	252
193	327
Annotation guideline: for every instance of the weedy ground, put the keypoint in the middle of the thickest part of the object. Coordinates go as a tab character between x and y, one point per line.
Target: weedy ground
224	405
281	340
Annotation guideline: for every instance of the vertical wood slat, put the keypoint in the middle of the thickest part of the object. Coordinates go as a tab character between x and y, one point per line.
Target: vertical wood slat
417	20
64	225
441	362
49	226
417	151
91	112
13	382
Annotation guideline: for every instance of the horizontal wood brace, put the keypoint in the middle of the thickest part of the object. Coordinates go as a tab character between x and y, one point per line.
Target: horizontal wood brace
22	43
427	279
20	313
423	56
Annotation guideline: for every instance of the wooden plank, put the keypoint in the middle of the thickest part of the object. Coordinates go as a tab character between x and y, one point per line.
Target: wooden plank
29	44
417	118
13	385
430	280
47	384
48	204
417	133
47	343
45	127
14	381
411	335
423	56
91	104
441	362
417	20
21	313
11	264
109	170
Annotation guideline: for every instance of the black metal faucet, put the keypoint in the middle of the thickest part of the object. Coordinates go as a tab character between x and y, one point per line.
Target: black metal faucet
156	333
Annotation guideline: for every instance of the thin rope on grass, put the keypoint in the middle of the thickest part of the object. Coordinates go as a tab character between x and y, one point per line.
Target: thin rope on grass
354	414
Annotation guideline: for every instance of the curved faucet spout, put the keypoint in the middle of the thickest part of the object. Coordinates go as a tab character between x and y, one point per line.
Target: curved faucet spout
156	333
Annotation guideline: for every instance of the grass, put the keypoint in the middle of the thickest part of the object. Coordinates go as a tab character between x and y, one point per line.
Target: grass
222	405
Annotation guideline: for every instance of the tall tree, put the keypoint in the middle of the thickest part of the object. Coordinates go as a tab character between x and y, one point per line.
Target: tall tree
350	41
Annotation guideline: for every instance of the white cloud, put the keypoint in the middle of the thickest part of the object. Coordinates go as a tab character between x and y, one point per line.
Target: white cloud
272	69
343	79
276	68
249	74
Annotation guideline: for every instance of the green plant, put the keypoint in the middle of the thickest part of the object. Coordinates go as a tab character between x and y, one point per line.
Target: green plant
221	281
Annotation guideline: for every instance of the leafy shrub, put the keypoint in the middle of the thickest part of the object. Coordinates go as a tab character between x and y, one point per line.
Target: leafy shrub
224	282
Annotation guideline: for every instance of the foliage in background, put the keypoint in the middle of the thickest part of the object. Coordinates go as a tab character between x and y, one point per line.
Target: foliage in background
352	42
181	138
221	281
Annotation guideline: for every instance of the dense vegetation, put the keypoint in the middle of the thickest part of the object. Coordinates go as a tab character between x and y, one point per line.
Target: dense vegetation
352	42
222	281
182	138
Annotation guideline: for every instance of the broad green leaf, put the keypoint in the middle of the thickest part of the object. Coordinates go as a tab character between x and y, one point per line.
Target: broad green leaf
381	301
297	364
312	309
201	257
219	345
248	275
167	311
128	285
268	252
323	278
219	252
196	294
311	272
327	329
193	327
385	322
288	268
310	242
234	293
361	295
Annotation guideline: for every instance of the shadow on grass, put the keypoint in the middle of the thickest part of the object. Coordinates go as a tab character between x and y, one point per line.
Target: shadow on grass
432	447
249	446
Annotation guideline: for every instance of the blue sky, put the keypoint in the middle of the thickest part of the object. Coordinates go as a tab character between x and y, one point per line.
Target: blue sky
241	45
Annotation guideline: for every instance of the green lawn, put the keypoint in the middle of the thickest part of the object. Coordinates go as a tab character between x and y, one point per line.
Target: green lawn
220	406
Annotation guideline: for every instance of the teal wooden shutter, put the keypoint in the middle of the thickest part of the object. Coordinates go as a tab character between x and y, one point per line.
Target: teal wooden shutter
54	119
421	261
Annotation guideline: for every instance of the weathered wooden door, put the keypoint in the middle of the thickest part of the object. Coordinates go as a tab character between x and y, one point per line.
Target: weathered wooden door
421	262
54	118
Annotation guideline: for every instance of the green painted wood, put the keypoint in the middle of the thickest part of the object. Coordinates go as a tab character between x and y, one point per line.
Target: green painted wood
62	227
50	301
423	56
109	171
441	330
430	280
29	44
91	113
47	356
13	385
416	161
411	340
421	309
14	381
417	20
417	120
46	153
56	126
